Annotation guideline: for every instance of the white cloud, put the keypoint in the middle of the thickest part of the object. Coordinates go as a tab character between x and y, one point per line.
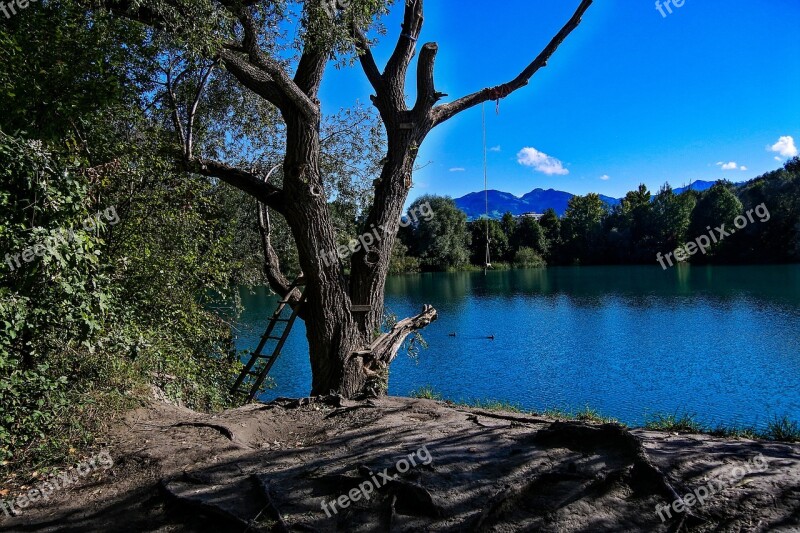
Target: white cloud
728	166
785	146
495	149
605	177
458	169
743	167
541	162
778	158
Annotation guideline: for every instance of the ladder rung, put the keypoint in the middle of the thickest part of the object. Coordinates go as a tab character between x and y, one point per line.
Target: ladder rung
273	338
280	320
254	374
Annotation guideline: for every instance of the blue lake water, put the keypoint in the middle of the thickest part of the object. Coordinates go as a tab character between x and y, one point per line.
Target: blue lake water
721	343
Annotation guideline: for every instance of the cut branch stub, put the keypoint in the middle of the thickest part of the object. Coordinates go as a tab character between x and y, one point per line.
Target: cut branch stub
383	350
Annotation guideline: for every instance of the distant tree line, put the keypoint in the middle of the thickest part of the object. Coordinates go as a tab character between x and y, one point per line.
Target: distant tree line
641	226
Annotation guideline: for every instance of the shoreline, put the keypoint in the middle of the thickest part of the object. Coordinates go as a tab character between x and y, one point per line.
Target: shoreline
271	466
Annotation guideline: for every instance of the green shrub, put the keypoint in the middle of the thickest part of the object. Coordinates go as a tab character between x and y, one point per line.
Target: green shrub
426	392
528	258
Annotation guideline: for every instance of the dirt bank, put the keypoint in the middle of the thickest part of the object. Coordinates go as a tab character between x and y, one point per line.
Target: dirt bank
425	466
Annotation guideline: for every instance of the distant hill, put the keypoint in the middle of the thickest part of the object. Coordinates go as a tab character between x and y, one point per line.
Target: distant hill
536	201
698	185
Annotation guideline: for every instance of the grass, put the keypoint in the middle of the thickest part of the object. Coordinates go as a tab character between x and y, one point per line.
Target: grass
676	423
782	429
426	392
779	429
495	405
587	414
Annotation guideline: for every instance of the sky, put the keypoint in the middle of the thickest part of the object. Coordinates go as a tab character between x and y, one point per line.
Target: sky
707	92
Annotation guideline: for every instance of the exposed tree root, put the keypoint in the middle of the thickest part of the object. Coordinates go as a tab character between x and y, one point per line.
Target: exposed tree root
197	505
644	475
262	483
224	431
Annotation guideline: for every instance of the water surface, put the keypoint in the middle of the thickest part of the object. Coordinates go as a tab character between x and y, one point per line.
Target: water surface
722	343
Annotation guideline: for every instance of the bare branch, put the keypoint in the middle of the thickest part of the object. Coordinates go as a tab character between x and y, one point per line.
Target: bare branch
380	354
193	110
397	66
367	60
241	179
261	61
447	111
254	79
426	91
173	103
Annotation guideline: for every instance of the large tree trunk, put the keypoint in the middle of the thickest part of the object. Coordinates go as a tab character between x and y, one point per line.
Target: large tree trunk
346	356
341	318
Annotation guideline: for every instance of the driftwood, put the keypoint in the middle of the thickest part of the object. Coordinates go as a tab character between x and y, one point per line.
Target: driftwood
379	355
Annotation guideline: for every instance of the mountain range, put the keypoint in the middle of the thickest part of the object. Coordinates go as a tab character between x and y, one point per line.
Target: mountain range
536	201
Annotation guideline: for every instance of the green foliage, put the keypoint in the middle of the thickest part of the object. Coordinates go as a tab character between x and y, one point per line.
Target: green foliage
401	262
581	226
528	258
672	214
441	242
530	234
426	392
55	302
674	422
496	405
499	246
783	429
719	205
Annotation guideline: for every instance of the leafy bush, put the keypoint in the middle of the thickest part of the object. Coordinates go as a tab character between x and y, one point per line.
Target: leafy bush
528	258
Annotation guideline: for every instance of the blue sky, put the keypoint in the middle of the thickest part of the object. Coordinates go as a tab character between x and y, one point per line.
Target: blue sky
631	96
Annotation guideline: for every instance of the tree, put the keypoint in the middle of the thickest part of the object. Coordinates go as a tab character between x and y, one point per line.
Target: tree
581	227
528	258
244	38
441	240
717	207
630	227
531	235
499	248
672	213
551	225
509	225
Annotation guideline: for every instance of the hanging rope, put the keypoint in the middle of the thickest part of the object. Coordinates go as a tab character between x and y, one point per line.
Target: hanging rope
488	260
498	93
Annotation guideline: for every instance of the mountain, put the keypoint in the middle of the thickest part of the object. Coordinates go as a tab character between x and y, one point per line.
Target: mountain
698	186
536	201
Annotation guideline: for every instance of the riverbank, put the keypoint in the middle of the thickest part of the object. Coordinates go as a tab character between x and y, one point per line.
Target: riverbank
412	464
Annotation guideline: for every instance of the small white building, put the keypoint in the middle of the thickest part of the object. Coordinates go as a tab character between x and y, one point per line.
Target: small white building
535	216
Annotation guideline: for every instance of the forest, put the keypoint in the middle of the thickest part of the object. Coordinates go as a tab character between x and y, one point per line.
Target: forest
634	232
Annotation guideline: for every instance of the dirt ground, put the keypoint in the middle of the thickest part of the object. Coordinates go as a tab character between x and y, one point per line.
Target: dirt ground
424	466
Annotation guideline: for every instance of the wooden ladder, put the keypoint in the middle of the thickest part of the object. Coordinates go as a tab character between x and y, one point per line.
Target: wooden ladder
255	371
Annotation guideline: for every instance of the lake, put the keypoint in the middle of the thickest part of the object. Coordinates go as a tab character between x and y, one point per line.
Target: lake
721	343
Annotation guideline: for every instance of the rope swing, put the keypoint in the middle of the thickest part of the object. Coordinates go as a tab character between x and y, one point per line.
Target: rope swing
488	261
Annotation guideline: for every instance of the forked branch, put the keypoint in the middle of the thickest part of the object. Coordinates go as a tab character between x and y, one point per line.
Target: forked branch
448	111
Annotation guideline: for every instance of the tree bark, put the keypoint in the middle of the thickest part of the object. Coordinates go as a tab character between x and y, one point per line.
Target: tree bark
347	356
